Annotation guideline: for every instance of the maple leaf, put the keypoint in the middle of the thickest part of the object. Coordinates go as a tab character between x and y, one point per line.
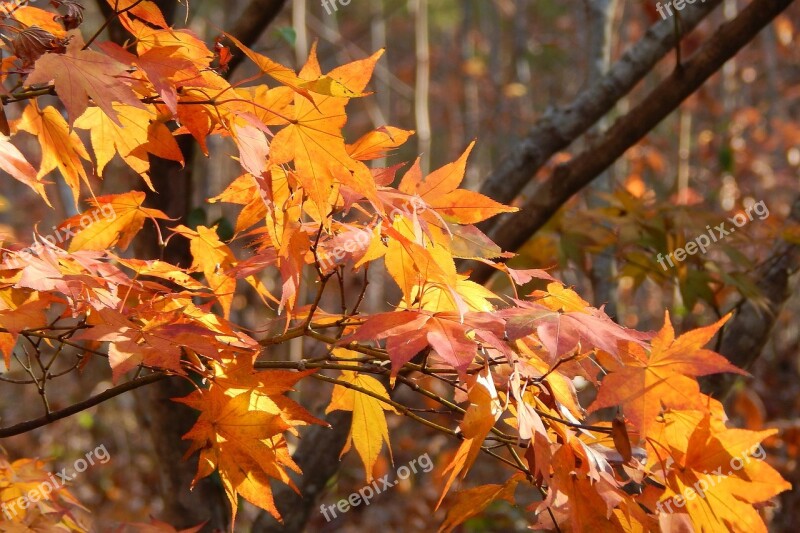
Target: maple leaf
377	143
212	257
408	332
330	85
313	139
101	232
253	148
184	42
165	67
61	148
160	341
238	432
468	242
33	16
268	389
25	315
56	509
440	192
145	10
368	431
720	478
645	384
161	269
576	499
14	163
82	74
241	443
413	261
564	332
472	502
244	191
137	133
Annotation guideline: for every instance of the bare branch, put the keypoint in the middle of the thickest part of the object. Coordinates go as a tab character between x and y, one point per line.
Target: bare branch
560	127
253	21
35	423
570	177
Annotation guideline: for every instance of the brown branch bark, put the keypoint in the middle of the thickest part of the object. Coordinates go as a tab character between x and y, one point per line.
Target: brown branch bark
560	127
257	16
570	177
318	458
30	425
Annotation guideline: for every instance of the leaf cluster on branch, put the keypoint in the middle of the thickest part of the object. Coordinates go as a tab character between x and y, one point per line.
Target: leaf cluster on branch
314	212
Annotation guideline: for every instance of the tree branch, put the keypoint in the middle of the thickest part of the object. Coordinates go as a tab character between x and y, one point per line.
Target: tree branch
256	17
558	128
35	423
570	177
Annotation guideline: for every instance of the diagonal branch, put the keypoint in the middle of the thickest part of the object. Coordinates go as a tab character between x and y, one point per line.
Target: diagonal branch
560	127
29	425
256	17
570	177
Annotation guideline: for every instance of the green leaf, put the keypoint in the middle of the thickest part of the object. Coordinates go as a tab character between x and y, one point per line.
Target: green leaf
288	34
225	230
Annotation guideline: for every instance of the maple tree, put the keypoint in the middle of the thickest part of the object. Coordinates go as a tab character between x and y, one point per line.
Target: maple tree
507	361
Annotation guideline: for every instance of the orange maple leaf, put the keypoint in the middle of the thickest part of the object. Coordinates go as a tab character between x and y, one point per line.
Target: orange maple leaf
80	74
719	479
645	384
61	148
114	219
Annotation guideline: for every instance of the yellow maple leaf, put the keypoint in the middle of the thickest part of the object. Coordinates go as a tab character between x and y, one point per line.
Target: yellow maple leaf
240	430
368	431
720	478
114	219
239	442
131	138
61	148
313	140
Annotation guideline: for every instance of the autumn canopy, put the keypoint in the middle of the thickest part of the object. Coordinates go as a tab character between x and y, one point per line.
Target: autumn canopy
314	215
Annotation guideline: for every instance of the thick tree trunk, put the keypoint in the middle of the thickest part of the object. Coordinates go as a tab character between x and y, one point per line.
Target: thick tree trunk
165	420
318	457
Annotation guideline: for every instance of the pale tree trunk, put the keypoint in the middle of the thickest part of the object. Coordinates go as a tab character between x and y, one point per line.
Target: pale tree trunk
422	90
604	269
